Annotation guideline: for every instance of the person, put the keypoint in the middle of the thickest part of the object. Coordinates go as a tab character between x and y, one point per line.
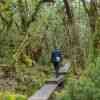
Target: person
56	58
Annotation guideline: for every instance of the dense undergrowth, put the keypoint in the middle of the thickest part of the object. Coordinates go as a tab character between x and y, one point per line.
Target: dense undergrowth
31	79
87	87
27	79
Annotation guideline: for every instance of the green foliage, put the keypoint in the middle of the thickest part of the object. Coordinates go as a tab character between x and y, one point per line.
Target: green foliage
83	89
87	87
11	96
95	72
26	60
34	23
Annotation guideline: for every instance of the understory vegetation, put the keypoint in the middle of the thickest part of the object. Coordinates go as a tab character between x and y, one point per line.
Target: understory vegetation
31	29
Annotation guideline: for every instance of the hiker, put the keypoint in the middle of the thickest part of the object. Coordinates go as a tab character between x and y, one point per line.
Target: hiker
56	58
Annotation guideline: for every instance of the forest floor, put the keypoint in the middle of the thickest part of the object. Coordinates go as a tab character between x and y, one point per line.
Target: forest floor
27	79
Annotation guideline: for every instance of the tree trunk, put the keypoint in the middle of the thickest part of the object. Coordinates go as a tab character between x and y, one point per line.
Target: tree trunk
75	50
92	13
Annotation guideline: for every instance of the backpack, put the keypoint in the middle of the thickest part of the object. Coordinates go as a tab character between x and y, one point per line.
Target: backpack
56	55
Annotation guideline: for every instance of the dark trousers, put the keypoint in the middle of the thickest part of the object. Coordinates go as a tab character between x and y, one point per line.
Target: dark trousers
56	67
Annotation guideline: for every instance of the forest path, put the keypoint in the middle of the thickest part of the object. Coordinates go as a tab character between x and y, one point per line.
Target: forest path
51	85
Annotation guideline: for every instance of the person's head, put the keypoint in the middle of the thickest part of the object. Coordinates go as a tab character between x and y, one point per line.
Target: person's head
56	49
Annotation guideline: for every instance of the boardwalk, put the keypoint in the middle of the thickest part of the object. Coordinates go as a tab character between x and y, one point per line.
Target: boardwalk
51	85
44	92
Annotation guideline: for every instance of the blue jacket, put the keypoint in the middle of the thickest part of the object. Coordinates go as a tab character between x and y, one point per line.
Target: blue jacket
56	56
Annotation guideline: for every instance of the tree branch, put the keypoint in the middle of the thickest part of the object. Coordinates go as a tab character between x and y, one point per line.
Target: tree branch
85	7
6	22
33	16
3	19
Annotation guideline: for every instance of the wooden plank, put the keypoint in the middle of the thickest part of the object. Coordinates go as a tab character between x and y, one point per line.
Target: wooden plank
44	93
4	65
56	80
64	69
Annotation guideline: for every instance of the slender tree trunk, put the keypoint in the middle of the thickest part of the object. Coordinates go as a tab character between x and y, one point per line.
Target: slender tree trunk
75	50
92	13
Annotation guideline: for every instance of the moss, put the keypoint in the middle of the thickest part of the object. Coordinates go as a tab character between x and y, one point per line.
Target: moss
12	96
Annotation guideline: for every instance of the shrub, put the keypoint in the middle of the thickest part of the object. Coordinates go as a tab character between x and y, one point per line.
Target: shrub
9	96
87	87
83	89
93	72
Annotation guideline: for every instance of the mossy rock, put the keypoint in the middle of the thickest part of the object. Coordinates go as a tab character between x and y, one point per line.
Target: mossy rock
21	97
9	97
26	60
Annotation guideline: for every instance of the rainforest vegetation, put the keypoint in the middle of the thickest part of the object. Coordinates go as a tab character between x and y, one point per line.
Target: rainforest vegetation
31	29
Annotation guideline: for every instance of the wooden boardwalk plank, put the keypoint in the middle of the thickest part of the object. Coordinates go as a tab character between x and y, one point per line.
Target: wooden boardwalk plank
55	80
44	93
64	69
